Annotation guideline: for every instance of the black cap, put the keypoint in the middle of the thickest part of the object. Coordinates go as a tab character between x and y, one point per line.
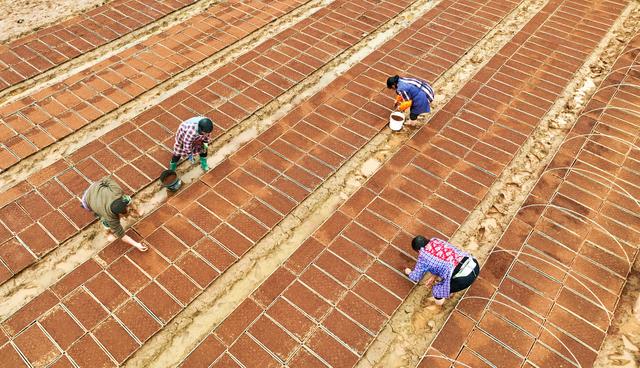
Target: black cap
418	242
392	81
205	125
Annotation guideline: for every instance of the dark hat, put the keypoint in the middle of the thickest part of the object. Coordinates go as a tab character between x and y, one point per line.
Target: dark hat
392	81
418	242
205	125
119	206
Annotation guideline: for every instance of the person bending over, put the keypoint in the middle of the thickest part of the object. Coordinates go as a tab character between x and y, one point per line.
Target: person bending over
107	201
413	94
456	269
193	137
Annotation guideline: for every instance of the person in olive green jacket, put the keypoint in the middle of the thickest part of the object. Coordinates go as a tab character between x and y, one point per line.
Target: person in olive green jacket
107	201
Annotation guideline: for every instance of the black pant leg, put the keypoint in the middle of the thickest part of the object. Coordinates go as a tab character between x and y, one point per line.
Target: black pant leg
461	283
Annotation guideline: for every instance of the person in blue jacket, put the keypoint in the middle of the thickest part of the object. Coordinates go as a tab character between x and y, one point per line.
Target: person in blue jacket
412	93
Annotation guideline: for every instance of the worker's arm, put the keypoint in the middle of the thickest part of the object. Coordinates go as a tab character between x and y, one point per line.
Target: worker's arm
205	143
403	100
115	226
129	240
418	271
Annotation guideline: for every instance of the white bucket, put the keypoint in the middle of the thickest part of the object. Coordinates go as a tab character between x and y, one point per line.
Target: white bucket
396	120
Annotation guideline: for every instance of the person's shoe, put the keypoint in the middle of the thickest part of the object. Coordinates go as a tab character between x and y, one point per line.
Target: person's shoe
203	164
173	166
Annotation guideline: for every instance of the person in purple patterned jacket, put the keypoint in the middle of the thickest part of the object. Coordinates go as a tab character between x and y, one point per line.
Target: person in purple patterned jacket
456	269
192	138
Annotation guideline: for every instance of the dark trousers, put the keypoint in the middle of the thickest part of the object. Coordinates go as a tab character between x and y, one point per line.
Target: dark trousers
413	116
177	158
461	283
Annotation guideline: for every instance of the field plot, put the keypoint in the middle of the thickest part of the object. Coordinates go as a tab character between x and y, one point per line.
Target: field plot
290	250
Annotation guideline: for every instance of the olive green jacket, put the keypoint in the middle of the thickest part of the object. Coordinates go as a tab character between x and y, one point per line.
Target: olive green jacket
99	197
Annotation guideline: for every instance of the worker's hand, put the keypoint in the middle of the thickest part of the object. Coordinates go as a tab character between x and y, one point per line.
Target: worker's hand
407	271
111	237
205	146
191	159
405	105
141	247
129	240
440	301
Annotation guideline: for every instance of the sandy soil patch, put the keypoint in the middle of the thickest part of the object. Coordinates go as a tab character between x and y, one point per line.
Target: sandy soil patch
24	16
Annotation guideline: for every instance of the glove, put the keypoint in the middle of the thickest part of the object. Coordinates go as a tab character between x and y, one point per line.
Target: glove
205	146
405	105
397	101
193	160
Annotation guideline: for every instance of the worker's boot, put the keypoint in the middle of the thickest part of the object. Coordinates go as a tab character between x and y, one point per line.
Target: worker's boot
173	166
203	164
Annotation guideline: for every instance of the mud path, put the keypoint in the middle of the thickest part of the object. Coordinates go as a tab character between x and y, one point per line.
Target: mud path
47	156
177	339
20	17
407	336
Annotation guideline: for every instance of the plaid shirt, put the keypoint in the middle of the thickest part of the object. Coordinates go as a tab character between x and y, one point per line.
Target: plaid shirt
439	258
188	141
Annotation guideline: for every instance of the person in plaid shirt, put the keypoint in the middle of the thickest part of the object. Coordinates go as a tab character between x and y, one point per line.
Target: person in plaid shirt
456	269
193	137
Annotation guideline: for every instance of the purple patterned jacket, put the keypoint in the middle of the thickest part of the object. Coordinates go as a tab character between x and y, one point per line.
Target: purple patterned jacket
439	258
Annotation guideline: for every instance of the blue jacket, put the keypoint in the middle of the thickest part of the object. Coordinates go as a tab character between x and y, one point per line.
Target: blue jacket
418	91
